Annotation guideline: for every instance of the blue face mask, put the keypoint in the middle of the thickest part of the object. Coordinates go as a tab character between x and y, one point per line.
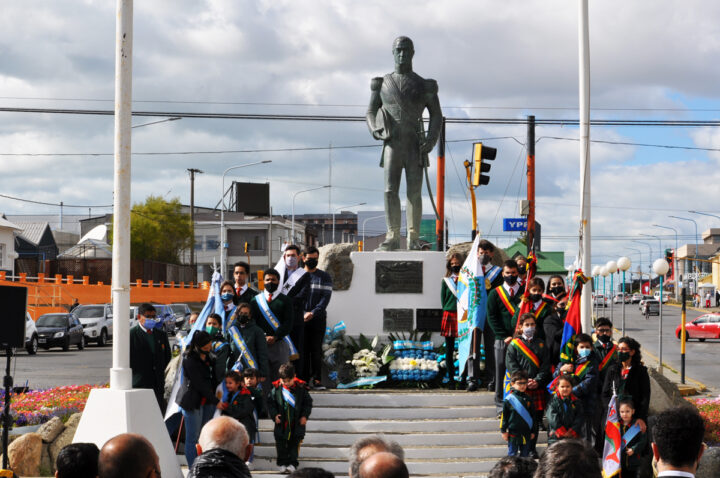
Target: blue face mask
150	324
583	352
226	296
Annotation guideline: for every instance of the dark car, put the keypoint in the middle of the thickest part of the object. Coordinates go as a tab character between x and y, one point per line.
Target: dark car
60	330
182	313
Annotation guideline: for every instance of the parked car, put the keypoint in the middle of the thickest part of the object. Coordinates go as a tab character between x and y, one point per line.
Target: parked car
166	316
600	300
60	330
97	321
31	335
620	298
707	326
650	307
656	296
644	299
636	298
182	312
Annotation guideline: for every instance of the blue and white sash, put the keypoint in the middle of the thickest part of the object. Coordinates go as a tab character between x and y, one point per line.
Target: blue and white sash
630	434
518	406
492	274
243	348
451	285
288	396
274	323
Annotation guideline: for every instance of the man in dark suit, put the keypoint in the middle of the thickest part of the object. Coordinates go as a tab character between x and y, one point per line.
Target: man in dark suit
149	353
678	442
243	292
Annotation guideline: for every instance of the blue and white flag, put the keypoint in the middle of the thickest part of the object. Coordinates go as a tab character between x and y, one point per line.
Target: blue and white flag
288	396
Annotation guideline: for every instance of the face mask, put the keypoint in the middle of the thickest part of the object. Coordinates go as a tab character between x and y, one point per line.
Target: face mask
557	290
623	356
150	324
529	332
244	319
604	338
454	269
271	287
211	330
226	296
535	297
510	280
582	353
291	262
311	263
484	259
522	269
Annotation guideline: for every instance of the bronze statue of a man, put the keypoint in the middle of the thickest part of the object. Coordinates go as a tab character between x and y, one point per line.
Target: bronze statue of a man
397	102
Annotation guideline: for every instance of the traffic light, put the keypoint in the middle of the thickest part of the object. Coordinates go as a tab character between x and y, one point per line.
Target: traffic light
481	154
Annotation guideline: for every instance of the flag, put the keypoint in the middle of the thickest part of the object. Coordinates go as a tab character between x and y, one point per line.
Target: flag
526	305
471	303
613	442
572	325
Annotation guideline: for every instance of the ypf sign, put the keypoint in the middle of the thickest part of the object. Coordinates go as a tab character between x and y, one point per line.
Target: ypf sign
514	225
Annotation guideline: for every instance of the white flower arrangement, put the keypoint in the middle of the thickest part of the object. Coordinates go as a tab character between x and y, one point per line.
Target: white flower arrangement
366	363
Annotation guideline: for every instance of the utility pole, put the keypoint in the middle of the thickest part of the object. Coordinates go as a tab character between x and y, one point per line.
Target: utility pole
531	183
440	221
192	220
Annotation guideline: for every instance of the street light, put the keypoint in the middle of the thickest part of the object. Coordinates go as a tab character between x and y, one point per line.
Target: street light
649	266
639	266
696	238
339	208
623	264
612	268
223	241
292	222
675	270
174	118
596	279
704	214
604	273
661	267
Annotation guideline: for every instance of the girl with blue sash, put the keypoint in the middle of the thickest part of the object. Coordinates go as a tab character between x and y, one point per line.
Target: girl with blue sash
634	441
228	298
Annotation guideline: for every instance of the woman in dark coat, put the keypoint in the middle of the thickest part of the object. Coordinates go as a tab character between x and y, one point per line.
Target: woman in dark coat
629	378
196	396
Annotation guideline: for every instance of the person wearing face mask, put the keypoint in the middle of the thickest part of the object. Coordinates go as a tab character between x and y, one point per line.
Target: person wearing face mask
527	352
196	396
272	311
448	326
556	290
149	353
502	303
293	281
628	378
248	349
316	295
220	347
584	370
521	262
227	296
539	308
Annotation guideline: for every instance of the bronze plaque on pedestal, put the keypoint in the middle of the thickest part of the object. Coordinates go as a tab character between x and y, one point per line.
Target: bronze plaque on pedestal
397	320
398	277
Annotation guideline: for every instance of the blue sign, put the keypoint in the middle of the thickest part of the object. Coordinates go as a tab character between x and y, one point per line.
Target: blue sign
513	225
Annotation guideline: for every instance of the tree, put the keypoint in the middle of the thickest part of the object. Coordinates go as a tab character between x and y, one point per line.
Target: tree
159	230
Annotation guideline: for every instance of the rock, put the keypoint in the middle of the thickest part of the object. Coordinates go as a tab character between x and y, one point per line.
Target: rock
499	257
66	437
47	466
709	466
50	430
664	394
24	455
335	260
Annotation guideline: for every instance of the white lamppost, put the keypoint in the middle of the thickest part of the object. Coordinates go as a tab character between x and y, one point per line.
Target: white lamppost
338	209
596	274
292	222
604	273
223	240
661	267
675	269
623	264
612	268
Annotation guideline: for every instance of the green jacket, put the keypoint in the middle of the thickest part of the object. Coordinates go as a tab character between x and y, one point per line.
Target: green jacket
289	427
637	445
241	405
565	418
516	360
498	316
513	423
447	298
149	355
254	338
282	307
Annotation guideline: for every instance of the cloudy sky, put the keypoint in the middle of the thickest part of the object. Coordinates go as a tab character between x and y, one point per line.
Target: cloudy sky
492	59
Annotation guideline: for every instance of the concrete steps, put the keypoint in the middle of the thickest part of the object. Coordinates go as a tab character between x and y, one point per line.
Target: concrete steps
443	433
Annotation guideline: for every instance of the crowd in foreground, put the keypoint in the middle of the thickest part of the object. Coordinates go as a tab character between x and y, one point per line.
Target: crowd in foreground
224	446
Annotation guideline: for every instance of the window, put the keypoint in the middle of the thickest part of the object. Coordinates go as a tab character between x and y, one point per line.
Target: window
211	243
198	243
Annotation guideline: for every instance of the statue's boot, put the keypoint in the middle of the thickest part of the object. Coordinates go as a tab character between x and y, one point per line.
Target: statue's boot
389	245
414	245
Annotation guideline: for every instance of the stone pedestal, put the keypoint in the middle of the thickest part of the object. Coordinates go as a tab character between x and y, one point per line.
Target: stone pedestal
390	291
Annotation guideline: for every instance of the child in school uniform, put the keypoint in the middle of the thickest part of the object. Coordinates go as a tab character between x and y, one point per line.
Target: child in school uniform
564	413
251	377
634	440
606	354
516	424
448	327
527	352
239	404
539	308
289	405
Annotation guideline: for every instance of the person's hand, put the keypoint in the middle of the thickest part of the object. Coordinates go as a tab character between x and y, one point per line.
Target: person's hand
629	452
505	436
642	425
567	368
303	421
532	384
508	340
308	316
270	339
222	405
277	419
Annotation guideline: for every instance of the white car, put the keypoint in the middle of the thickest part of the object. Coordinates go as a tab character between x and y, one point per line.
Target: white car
97	322
618	299
656	295
600	300
31	335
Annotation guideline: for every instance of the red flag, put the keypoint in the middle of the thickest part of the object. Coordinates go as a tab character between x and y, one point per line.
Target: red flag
572	326
526	305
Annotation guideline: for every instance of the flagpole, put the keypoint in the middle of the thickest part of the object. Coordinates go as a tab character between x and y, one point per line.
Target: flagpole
584	97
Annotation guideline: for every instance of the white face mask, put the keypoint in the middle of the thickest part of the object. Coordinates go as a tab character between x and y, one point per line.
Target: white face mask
291	262
529	332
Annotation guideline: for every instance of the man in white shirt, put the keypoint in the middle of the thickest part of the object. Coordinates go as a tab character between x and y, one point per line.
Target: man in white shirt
678	442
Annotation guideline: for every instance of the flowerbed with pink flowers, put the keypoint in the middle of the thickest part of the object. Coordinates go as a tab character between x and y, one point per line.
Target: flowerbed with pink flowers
709	409
36	407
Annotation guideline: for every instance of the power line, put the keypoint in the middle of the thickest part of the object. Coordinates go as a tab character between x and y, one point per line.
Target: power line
626	143
50	203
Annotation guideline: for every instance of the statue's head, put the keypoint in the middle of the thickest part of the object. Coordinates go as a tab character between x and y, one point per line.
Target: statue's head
403	51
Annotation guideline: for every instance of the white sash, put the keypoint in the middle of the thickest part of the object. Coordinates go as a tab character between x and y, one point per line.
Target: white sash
452	286
292	280
275	323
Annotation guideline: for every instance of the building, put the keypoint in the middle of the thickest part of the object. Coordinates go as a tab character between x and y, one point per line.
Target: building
319	228
696	271
8	231
549	263
34	245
